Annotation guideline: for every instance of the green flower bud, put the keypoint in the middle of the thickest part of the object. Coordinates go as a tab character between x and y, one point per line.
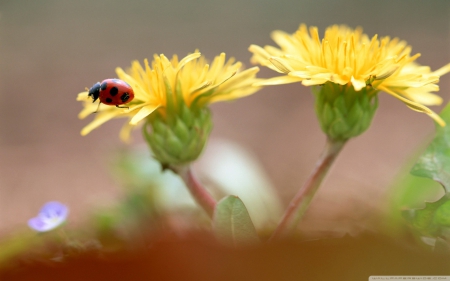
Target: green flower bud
179	138
344	113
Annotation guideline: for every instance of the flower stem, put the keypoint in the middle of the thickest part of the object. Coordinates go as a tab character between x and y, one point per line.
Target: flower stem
299	204
197	190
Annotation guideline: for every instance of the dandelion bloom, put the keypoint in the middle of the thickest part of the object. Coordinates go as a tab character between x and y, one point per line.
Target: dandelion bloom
164	86
349	57
51	215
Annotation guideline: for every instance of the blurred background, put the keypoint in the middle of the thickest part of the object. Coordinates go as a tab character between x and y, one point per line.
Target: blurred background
50	50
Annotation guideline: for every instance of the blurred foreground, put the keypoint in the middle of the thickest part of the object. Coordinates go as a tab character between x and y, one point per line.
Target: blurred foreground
197	256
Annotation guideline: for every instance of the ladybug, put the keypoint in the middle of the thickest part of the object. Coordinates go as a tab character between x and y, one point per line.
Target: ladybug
112	92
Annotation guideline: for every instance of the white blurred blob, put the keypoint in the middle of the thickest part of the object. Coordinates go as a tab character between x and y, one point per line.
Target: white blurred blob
235	171
169	188
224	169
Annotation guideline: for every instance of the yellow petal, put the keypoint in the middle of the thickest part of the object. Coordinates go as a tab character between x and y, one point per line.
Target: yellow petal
312	82
281	65
337	79
143	112
415	106
281	38
358	84
200	87
441	71
85	112
241	79
424	98
187	59
388	71
83	96
277	81
235	94
125	132
300	74
259	52
99	119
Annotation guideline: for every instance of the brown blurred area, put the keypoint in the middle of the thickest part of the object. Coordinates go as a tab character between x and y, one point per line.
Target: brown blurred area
198	257
51	50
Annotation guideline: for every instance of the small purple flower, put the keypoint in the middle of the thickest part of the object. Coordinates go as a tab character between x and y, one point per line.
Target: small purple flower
51	215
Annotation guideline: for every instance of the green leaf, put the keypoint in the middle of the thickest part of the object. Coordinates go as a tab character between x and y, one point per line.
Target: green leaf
435	161
434	219
442	215
232	223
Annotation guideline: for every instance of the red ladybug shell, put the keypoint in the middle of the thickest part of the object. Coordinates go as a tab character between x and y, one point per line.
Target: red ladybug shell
112	92
115	92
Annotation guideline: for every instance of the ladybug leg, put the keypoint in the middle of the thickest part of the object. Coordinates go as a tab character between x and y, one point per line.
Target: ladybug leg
127	107
97	107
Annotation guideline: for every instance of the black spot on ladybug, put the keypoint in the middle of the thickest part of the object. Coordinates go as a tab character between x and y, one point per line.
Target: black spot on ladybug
109	100
104	85
125	97
113	91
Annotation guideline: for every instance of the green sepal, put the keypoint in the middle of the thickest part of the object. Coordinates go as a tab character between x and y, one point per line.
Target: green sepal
328	114
344	113
180	139
182	130
170	99
185	115
159	127
173	144
178	96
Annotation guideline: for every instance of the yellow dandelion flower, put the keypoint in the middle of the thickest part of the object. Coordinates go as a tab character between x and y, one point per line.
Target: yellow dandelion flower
348	57
200	84
172	96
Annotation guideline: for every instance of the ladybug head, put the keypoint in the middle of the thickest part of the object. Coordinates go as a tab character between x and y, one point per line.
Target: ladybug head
94	91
